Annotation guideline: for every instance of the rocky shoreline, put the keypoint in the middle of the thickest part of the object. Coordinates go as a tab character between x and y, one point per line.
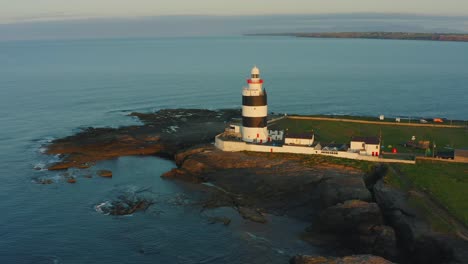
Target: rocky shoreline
351	211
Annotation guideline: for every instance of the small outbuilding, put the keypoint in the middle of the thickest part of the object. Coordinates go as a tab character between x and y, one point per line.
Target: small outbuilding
234	128
304	139
367	145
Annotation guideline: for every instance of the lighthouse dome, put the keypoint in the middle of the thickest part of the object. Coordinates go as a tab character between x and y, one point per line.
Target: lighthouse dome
255	71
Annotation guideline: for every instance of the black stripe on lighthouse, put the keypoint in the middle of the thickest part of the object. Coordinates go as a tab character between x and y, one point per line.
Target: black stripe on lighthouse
254	121
260	100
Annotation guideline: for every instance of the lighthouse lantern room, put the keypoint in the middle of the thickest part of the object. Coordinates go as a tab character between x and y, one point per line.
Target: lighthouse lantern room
254	110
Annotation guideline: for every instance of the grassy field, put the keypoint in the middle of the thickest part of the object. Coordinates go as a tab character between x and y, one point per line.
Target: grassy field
446	182
404	119
341	132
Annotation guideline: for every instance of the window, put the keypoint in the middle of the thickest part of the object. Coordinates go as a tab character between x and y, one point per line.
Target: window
376	147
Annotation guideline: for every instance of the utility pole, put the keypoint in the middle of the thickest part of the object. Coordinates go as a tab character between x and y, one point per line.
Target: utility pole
380	142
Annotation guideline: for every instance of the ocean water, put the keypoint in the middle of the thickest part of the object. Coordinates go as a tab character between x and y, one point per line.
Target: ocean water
50	89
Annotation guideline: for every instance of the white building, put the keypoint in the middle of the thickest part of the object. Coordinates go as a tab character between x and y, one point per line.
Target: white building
304	139
254	110
366	145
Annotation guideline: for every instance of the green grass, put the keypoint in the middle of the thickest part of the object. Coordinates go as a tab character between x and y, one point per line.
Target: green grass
446	182
312	160
341	132
392	179
405	119
437	223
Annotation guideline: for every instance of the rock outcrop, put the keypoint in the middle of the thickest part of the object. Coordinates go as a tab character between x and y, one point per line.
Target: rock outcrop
278	185
336	196
105	173
358	225
124	205
163	133
334	190
418	243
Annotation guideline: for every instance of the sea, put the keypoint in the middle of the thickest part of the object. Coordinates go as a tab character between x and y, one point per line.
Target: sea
54	88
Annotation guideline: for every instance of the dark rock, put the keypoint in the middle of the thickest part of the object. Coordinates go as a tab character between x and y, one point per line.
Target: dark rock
358	225
252	214
224	220
124	205
357	259
105	173
376	173
71	180
418	243
44	181
181	175
382	241
336	190
350	215
156	136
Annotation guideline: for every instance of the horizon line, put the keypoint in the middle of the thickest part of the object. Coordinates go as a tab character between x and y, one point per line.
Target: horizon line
78	18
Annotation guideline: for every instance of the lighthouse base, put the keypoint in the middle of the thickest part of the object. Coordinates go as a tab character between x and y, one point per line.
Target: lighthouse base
255	134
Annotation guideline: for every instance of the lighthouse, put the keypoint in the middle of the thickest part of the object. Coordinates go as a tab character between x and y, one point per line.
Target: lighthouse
254	110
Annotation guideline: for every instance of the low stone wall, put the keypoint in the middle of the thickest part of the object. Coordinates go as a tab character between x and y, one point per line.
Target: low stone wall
234	146
459	160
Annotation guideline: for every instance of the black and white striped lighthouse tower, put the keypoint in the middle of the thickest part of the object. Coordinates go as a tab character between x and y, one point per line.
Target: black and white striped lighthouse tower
254	110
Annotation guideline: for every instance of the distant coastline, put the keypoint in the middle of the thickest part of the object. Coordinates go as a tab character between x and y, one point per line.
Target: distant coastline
376	35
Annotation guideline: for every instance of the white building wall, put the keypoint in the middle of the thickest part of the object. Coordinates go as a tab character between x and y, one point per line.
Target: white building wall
367	148
235	146
357	145
372	148
249	134
299	141
248	92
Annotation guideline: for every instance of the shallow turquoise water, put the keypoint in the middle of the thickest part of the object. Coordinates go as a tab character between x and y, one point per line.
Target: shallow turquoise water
50	89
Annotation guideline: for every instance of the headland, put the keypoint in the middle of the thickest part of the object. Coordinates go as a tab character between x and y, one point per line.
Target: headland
377	35
354	207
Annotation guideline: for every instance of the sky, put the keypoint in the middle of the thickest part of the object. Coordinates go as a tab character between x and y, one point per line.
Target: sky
13	11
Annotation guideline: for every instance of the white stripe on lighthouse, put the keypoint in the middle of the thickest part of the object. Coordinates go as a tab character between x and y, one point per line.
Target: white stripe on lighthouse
254	111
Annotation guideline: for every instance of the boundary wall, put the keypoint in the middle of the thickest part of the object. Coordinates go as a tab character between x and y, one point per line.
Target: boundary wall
236	146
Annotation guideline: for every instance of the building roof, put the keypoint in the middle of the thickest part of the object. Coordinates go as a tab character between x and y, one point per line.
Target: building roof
367	140
335	147
308	135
